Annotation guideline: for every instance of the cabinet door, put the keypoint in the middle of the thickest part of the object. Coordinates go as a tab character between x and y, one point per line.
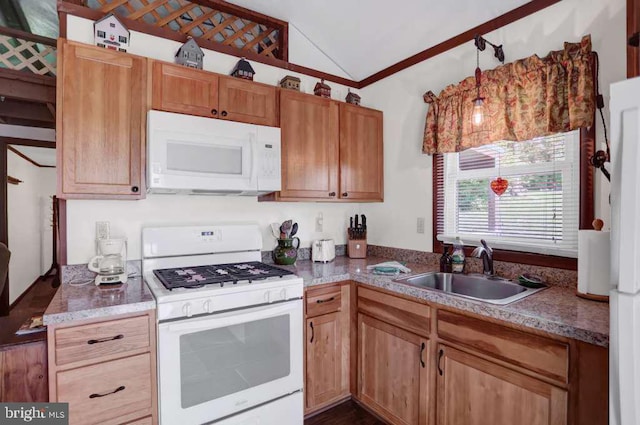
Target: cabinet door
309	146
245	101
473	391
327	377
361	156
102	119
177	88
393	372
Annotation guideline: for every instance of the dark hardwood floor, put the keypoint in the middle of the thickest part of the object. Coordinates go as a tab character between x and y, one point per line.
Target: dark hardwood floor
347	413
34	301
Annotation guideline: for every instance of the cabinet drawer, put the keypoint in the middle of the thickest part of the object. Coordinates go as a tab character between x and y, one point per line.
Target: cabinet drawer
107	390
537	353
323	300
101	339
405	314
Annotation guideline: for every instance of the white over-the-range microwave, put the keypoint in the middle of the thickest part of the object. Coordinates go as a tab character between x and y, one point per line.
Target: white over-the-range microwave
207	156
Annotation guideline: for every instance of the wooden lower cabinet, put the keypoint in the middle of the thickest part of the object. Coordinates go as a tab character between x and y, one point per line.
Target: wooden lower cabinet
474	391
327	376
105	369
394	369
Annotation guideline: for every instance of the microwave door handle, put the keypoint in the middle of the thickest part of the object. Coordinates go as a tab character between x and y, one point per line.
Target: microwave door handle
254	157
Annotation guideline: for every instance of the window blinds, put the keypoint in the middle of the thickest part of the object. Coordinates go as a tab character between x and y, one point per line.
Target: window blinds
539	211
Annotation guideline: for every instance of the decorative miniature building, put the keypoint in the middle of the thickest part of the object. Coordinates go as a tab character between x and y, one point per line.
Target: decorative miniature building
190	54
290	82
322	90
352	98
243	69
110	33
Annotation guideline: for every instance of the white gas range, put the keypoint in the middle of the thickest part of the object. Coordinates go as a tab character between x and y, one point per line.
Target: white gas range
230	336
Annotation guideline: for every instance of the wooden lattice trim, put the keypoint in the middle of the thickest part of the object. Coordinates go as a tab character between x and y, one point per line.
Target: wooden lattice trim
23	51
211	20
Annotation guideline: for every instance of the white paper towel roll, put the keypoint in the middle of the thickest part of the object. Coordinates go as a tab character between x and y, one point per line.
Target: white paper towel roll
594	262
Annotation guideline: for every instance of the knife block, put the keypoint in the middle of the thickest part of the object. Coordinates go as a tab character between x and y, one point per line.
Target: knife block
357	248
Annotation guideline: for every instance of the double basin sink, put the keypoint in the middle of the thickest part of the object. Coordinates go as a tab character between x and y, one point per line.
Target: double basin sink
489	289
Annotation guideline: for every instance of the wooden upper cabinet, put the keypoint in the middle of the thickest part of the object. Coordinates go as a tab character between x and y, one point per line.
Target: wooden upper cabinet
361	157
393	366
184	90
245	101
327	375
474	391
101	120
310	138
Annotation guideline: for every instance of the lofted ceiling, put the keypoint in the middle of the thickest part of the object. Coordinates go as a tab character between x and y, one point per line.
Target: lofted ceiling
43	156
363	38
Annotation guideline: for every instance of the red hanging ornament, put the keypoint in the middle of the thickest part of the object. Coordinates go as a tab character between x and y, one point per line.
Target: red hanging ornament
499	185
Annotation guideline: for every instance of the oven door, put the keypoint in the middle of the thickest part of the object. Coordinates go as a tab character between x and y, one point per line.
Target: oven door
214	366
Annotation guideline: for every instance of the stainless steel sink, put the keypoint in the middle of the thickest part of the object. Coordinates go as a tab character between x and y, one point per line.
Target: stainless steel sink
492	290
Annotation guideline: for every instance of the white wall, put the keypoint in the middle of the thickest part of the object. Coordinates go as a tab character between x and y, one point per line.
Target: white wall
408	173
128	217
28	206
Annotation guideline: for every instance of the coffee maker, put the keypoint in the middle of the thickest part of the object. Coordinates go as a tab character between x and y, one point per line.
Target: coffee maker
111	262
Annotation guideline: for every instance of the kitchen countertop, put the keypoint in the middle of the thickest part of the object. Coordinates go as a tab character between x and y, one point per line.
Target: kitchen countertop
556	310
93	302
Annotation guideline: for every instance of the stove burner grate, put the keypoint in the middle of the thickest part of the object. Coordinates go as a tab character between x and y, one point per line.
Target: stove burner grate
195	277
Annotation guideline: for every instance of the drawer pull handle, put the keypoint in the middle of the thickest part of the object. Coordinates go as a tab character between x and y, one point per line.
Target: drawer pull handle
224	113
312	332
117	390
328	300
440	354
422	351
113	338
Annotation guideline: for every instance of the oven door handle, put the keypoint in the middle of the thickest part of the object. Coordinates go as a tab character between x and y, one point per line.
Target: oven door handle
221	320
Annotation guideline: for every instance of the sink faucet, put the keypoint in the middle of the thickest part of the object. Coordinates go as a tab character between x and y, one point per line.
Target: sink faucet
486	254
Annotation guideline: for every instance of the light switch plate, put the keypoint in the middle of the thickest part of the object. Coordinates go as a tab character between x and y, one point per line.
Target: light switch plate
319	223
102	230
420	225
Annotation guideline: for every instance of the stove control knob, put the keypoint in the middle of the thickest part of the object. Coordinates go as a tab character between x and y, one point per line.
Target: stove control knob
186	309
207	306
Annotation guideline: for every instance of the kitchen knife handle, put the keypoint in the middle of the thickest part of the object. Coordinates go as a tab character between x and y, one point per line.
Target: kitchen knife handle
440	354
328	300
312	332
422	351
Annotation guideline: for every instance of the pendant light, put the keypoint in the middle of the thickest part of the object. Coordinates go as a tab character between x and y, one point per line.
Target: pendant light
477	116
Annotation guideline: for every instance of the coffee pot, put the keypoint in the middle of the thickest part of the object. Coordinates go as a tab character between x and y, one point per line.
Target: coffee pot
111	262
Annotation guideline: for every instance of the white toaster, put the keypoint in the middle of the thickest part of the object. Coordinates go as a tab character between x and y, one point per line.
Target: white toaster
323	250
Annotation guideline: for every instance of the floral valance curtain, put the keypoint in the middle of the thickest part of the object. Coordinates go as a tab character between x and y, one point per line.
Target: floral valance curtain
528	98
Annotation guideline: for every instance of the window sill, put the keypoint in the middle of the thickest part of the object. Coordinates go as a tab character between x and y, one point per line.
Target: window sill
519	257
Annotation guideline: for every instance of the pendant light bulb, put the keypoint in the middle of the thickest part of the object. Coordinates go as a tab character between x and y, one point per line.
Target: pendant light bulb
477	116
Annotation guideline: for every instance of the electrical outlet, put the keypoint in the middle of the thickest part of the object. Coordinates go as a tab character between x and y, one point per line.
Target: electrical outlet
102	230
420	225
319	223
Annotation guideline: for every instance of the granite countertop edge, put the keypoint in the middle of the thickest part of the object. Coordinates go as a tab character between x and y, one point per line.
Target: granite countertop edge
97	312
507	313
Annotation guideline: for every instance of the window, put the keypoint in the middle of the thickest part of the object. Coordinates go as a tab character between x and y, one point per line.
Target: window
122	39
101	34
538	213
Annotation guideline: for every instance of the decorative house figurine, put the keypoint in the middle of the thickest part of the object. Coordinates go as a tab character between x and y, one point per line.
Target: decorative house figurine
322	90
352	98
243	69
290	82
110	33
190	54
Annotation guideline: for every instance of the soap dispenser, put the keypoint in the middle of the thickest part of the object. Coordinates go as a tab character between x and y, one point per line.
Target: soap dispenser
457	258
445	261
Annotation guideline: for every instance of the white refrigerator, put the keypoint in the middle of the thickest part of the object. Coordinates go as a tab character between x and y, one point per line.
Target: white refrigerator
624	351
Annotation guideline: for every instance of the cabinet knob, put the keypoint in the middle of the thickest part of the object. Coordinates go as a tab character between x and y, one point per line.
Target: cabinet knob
214	112
332	194
345	194
224	113
135	189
